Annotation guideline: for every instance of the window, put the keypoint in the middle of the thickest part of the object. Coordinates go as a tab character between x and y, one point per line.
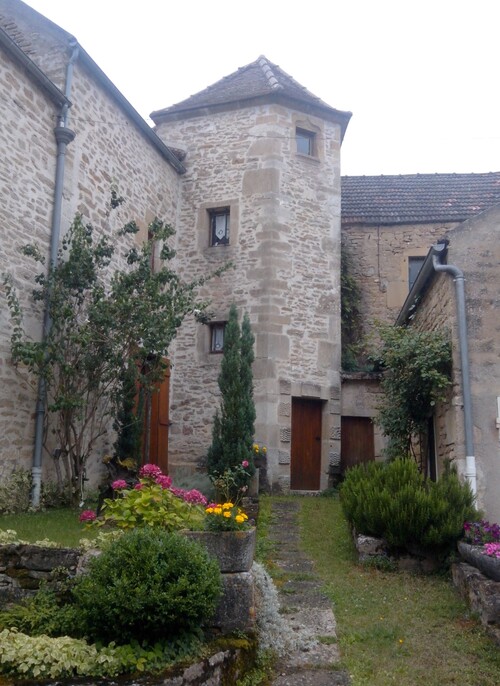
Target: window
414	266
217	337
219	226
305	142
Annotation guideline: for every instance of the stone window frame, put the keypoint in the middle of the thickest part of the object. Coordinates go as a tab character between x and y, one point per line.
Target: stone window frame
314	131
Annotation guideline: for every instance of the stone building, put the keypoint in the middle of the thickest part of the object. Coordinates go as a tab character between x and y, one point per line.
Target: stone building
67	135
248	172
262	190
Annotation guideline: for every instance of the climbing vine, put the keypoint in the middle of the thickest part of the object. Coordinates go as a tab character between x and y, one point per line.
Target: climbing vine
350	314
417	368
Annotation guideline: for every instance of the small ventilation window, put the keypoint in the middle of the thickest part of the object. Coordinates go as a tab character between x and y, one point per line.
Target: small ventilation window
414	267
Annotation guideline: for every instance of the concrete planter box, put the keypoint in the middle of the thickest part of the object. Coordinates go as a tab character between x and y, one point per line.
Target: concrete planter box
233	550
489	566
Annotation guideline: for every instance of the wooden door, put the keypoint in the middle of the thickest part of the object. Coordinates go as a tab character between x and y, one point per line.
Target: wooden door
157	446
305	467
357	441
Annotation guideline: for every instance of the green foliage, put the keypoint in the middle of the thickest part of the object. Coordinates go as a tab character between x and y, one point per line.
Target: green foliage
99	323
393	501
151	505
43	657
44	613
418	372
147	583
233	428
15	493
350	313
128	424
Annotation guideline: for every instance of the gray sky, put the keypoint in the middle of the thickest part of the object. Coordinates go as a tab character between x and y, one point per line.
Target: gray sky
421	78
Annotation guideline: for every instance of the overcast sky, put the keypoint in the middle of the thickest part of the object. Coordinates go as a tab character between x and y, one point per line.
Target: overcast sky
421	79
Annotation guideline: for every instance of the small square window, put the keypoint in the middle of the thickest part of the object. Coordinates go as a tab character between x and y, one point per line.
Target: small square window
305	142
217	337
219	226
414	266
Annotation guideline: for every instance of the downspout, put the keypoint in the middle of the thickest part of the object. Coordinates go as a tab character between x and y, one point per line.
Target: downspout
458	277
63	136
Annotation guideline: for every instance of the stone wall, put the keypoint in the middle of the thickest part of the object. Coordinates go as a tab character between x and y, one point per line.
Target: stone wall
284	244
379	258
109	149
474	249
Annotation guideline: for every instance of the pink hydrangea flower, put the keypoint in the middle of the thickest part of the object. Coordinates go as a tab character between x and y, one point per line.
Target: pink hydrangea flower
139	486
151	470
245	463
119	485
164	481
88	516
195	497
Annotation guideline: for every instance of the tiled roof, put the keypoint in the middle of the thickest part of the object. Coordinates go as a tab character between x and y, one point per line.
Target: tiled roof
417	198
257	79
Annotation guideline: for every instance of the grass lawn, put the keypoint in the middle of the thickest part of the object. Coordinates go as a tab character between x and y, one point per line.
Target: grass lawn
61	526
395	627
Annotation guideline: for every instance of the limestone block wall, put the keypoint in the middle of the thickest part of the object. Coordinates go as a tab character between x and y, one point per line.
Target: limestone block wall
284	245
474	249
379	257
27	167
109	150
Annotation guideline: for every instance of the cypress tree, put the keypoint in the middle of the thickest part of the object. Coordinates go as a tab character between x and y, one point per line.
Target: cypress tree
233	427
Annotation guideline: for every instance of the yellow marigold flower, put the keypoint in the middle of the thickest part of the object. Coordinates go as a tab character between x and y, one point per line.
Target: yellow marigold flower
227	514
209	510
217	510
227	506
240	519
264	449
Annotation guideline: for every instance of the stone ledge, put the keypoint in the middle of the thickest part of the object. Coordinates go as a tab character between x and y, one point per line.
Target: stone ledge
481	594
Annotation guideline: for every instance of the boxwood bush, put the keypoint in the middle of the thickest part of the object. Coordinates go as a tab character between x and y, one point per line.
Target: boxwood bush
393	500
147	585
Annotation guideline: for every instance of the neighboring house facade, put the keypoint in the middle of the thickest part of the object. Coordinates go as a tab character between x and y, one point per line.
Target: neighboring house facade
389	222
471	249
247	172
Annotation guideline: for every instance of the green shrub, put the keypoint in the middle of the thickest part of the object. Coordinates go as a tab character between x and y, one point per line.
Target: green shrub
44	613
147	584
393	501
43	657
15	493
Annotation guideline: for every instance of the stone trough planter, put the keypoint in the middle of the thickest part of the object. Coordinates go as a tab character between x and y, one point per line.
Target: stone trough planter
233	550
473	554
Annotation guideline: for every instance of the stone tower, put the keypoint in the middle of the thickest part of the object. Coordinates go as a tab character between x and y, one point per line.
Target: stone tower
262	190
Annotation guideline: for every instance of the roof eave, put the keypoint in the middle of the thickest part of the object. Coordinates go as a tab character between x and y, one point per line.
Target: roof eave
422	283
323	111
131	112
55	94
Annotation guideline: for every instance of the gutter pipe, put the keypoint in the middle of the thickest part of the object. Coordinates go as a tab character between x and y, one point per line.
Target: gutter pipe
459	279
63	136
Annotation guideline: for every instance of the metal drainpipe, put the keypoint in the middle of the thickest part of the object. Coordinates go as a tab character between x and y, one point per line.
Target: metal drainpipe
63	136
458	277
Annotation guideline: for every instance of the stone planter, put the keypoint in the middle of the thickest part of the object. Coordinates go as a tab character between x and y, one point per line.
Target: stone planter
489	566
233	550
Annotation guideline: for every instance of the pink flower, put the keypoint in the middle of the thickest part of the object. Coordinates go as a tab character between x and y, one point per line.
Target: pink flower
118	485
151	470
245	463
88	516
163	481
139	486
